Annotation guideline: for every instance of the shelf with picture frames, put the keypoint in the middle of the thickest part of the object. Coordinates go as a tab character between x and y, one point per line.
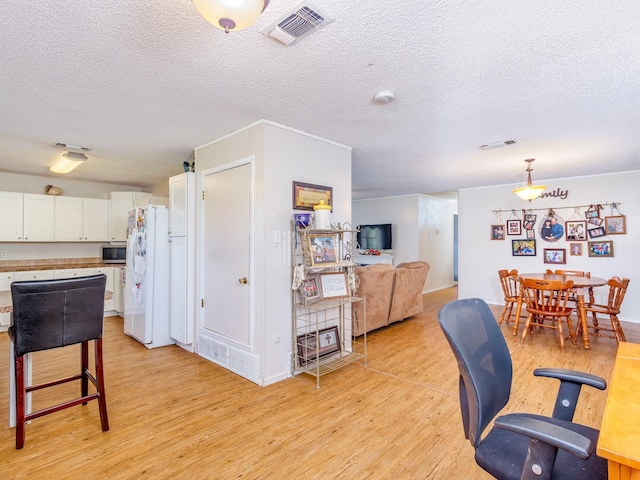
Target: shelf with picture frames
324	289
597	206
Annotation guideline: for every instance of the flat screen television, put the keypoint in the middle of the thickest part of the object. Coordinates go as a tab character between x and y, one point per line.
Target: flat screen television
376	237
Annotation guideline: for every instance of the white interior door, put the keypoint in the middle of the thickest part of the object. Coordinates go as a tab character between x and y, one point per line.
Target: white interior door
227	284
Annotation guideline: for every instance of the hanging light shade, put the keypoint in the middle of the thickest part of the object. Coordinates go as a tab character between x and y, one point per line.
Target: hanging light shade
530	191
67	162
231	14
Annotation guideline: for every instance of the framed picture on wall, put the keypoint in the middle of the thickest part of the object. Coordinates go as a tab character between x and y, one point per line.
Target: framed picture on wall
575	249
596	232
514	227
615	225
555	255
601	249
523	248
576	230
497	232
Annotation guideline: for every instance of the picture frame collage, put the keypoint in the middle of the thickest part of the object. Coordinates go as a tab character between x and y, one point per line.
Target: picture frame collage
552	228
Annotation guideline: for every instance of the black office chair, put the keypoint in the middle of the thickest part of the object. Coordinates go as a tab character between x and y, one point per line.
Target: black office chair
55	313
520	445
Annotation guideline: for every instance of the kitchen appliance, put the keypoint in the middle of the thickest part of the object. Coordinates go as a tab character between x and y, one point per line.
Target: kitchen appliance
114	254
146	292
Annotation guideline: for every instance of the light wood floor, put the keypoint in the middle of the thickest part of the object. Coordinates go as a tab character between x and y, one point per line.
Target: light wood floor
175	415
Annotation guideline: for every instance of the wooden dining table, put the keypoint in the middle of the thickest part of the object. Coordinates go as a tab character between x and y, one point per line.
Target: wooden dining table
580	286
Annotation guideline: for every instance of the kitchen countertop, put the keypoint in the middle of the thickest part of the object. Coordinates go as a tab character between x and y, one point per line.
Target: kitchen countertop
54	264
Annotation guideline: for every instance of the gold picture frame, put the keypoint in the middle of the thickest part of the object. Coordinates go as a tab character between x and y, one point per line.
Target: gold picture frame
308	195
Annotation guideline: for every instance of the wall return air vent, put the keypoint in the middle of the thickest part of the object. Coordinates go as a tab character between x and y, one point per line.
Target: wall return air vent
297	23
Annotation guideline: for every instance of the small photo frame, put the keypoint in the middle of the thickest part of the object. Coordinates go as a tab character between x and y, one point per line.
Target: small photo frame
601	249
528	224
595	221
302	220
555	255
514	227
530	217
311	347
497	232
531	233
307	195
334	285
309	289
592	213
596	232
322	249
523	248
575	249
615	225
576	230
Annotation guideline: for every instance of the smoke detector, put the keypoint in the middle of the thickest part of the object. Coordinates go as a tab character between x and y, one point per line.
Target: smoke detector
385	96
302	20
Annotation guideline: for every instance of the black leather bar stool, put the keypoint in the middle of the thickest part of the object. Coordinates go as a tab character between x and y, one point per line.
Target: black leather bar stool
55	313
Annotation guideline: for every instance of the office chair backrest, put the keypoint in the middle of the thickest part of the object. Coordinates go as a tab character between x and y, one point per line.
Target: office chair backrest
54	313
484	362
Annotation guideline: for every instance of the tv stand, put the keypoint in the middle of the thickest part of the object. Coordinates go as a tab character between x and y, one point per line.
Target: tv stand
373	259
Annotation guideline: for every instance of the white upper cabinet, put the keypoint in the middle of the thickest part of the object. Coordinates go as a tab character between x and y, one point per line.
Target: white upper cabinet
11	216
95	220
181	188
121	203
39	211
81	219
68	219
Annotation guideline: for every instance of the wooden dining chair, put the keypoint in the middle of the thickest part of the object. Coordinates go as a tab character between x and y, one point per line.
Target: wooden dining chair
610	311
578	273
547	300
511	292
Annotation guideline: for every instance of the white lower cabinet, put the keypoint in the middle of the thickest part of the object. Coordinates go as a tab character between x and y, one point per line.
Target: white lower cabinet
33	275
73	272
5	285
109	305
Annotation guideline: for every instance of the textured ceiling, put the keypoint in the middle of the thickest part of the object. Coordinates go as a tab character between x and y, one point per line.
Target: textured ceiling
142	82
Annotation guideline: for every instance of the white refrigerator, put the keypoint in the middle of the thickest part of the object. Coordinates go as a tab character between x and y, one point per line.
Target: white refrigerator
146	291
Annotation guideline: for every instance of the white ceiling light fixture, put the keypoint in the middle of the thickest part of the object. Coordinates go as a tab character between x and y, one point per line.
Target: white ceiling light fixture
67	162
530	191
231	14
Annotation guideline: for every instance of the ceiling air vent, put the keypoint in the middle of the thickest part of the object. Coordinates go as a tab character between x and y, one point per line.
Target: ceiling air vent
296	24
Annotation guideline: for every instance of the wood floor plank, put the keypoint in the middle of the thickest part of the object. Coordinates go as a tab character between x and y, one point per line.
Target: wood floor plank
175	415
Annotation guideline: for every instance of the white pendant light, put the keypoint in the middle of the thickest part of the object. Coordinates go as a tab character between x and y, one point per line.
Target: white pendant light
530	191
67	162
231	14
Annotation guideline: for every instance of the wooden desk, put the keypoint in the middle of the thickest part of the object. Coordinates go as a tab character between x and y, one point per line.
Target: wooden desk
619	440
580	284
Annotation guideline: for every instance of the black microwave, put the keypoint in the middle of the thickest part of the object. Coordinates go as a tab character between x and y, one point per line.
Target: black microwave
114	254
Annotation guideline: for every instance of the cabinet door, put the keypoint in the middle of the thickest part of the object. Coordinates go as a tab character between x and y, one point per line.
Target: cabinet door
38	217
95	220
179	318
67	219
180	187
11	216
73	272
109	305
5	285
121	203
33	275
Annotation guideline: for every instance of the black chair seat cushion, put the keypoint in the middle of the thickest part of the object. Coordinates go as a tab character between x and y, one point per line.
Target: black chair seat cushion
502	453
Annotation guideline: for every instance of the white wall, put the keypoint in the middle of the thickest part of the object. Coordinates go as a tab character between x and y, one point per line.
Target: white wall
422	229
481	258
281	155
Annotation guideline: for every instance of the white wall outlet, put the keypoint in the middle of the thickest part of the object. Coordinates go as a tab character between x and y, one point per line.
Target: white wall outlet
3	254
276	339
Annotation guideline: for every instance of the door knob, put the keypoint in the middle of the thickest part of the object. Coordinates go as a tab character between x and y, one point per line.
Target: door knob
243	280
